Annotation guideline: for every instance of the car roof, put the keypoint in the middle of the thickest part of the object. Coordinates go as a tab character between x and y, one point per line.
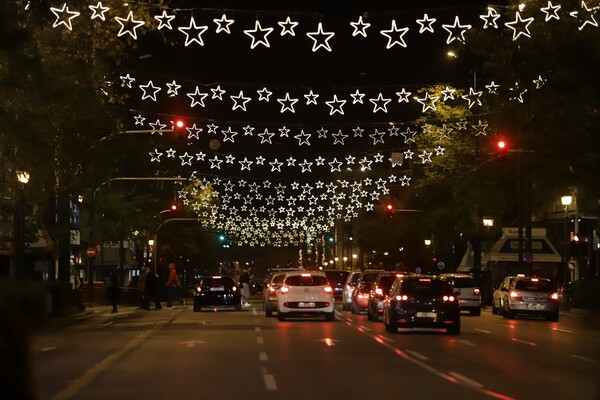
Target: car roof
456	275
306	271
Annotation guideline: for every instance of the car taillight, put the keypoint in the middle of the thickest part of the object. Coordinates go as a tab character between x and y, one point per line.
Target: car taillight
234	288
349	286
379	292
402	297
554	296
362	295
198	289
284	289
328	289
449	298
515	295
476	292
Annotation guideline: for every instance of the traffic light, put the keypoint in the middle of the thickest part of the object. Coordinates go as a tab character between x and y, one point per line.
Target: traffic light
330	239
350	236
179	125
173	207
222	237
501	146
389	208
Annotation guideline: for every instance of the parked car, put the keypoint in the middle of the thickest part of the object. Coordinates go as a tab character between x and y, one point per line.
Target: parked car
349	286
305	294
498	298
381	287
217	291
275	280
421	302
467	289
362	291
337	279
532	296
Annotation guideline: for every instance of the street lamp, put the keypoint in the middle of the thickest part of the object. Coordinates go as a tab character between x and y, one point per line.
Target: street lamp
488	222
18	241
566	202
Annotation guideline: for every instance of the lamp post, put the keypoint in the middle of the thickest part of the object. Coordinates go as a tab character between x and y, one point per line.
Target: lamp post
566	202
18	241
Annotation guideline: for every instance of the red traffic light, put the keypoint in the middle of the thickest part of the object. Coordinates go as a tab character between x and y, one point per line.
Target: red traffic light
179	125
501	145
173	207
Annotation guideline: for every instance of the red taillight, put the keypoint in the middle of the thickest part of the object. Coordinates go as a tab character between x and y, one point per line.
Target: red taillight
349	286
379	292
554	296
198	289
272	292
234	288
476	292
402	297
449	298
284	289
515	295
362	296
328	289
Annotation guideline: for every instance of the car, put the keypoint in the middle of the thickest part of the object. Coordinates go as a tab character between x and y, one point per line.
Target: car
500	293
421	301
305	294
351	282
362	291
275	280
217	291
468	293
337	279
381	287
532	296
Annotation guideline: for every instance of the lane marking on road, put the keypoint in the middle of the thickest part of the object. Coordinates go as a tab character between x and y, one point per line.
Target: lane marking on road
524	342
48	348
583	358
328	341
263	356
483	330
467	342
389	340
561	330
191	343
107	324
363	328
260	340
254	312
466	380
257	329
269	379
80	383
417	355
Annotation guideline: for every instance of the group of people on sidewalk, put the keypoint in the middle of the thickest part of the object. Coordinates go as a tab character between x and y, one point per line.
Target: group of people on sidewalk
148	288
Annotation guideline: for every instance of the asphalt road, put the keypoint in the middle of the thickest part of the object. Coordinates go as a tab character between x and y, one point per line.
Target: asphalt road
179	354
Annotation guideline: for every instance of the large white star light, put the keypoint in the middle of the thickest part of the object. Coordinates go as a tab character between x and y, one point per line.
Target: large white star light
186	159
336	105
64	16
195	33
132	24
590	20
193	132
157	127
197	97
287	103
150	91
473	97
339	137
489	20
395	35
428	102
377	137
360	27
303	138
229	134
155	155
223	24
259	35
551	11
426	24
456	31
98	11
266	136
380	104
240	101
164	20
320	38
520	26
287	27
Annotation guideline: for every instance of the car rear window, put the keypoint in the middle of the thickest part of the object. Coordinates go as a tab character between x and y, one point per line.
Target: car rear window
386	282
217	281
532	285
306	280
355	278
277	279
423	287
462	282
369	277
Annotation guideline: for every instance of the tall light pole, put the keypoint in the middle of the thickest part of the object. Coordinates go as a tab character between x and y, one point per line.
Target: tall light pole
18	241
566	202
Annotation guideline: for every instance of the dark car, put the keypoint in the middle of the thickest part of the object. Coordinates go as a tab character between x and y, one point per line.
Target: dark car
422	302
360	295
217	291
381	287
337	280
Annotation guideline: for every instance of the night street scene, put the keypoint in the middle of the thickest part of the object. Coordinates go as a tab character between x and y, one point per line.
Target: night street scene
299	199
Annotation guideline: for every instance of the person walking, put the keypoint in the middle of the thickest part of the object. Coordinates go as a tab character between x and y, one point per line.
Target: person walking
112	290
152	288
143	290
245	287
173	284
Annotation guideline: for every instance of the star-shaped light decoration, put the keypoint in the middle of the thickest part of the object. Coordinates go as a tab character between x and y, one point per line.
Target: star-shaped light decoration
519	26
303	138
98	11
164	20
264	94
395	35
287	27
358	131
426	24
425	156
311	97
320	39
393	130
245	164
456	31
365	164
409	136
380	104
266	136
195	33
223	24
408	154
283	132
517	93
322	133
360	27
186	159
193	132
212	128
155	155
139	120
197	97
217	92
132	24
157	127
357	97
215	163
492	88
590	19
240	101
259	35
287	103
336	105
428	102
229	158
448	93
248	130
551	11
489	20
339	137
403	96
275	165
229	135
306	166
335	165
480	129
127	81
539	82
377	137
171	153
473	97
64	16
150	91
173	88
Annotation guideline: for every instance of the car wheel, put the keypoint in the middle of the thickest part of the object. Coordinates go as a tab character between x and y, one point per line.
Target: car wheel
506	313
475	311
369	314
280	316
197	307
553	317
494	309
330	316
392	325
454	329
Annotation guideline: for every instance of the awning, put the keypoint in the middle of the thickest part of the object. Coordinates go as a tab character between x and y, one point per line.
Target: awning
507	247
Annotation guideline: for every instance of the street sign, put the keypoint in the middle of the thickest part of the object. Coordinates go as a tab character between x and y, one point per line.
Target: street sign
90	252
441	265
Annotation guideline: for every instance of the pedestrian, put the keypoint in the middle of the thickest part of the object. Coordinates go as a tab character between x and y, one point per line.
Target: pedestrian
112	290
245	286
152	288
142	289
173	284
77	288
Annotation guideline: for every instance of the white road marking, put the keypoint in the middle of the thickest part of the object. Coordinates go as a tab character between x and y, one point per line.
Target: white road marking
464	379
482	330
387	339
583	358
257	329
467	342
328	341
107	324
269	380
417	355
562	330
49	348
260	340
364	328
263	356
524	342
191	343
254	312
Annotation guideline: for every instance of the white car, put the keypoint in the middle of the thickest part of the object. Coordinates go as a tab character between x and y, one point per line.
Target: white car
305	294
467	289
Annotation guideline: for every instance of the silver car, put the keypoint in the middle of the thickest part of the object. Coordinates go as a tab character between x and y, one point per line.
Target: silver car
351	282
532	296
271	291
467	289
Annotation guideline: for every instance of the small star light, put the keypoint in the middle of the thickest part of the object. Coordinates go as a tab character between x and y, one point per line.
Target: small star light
266	136
380	103
287	27
64	16
336	105
212	128
306	166
240	101
490	18
480	129
193	132
456	31
275	165
127	81
360	27
98	11
377	137
428	102
223	24
339	137
186	159
403	96
217	93
519	26
164	20
248	130
258	35
492	88
287	104
357	97
155	155
283	132
426	24
409	136
173	88
448	93
517	93
392	32
150	88
229	134
539	82
197	33
197	97
322	133
439	151
128	21
551	12
320	38
311	98
358	131
157	127
139	120
425	157
473	97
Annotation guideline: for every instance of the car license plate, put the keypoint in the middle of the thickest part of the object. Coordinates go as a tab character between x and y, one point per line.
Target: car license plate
426	315
217	289
306	304
535	306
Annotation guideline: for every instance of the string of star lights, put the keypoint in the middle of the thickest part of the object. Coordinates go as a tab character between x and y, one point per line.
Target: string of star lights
390	35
